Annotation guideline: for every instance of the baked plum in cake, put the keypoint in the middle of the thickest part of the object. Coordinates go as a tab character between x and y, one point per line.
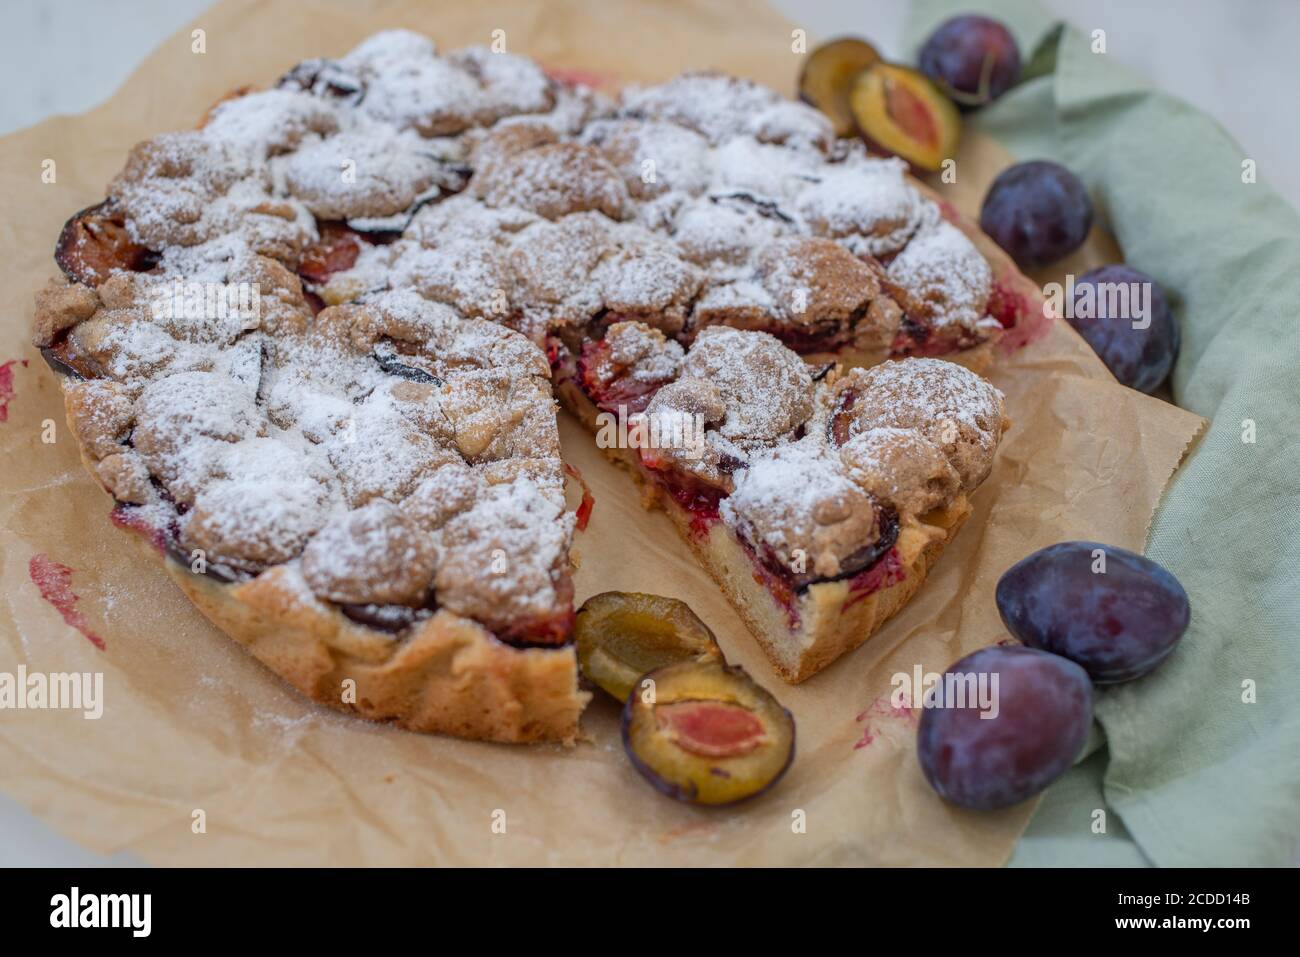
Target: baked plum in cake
309	349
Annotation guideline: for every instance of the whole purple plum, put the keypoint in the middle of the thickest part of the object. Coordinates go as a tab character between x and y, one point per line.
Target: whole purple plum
1013	743
1124	316
973	59
1037	211
1115	613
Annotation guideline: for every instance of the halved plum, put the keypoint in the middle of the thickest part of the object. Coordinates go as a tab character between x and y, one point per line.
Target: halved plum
95	242
622	635
705	733
61	357
901	111
828	74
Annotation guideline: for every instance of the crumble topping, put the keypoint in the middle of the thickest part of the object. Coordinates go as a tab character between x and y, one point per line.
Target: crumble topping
552	264
498	563
652	157
387	173
383	481
101	414
947	278
809	278
717	234
59	307
919	432
718	171
554	180
702	401
902	468
409	86
806	469
505	140
948	404
719	107
268	123
764	175
645	278
866	205
645	353
181	189
374	554
766	389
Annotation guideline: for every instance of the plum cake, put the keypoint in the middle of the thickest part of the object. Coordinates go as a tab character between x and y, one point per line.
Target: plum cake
313	350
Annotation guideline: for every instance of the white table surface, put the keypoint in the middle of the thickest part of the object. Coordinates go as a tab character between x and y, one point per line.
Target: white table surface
1235	60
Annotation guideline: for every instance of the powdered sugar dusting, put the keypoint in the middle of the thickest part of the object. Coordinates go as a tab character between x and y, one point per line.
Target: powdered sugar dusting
941	268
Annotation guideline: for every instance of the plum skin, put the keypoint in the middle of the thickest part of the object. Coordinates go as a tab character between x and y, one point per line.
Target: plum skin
1139	358
827	75
954	55
1118	625
1044	716
1037	212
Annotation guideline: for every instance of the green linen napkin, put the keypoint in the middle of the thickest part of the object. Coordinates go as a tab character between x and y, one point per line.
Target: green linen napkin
1202	764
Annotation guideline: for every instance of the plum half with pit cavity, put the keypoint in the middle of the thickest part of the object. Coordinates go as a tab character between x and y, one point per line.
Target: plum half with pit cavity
705	733
828	74
622	635
901	112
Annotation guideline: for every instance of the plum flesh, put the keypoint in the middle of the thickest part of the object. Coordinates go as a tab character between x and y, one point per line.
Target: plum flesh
900	111
623	635
828	74
95	243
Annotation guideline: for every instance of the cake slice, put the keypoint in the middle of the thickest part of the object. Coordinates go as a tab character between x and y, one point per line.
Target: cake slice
817	501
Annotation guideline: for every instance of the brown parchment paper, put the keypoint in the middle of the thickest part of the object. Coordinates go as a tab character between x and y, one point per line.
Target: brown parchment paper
193	723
